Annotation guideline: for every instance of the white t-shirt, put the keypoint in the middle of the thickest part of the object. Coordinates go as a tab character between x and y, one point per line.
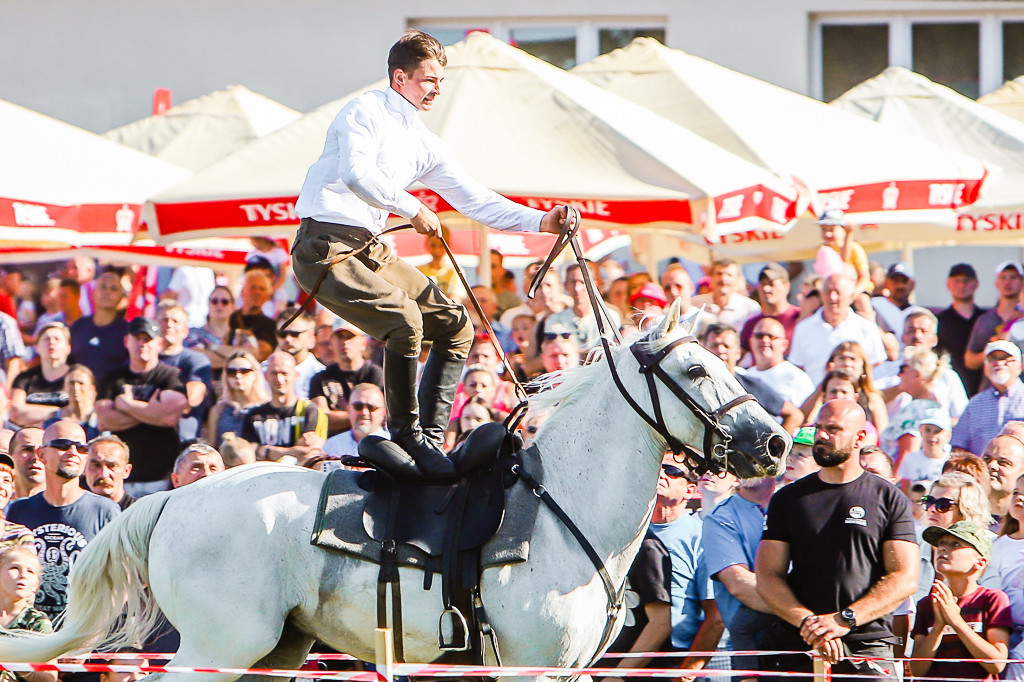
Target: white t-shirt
814	339
193	285
307	369
737	310
1006	567
918	467
345	444
788	379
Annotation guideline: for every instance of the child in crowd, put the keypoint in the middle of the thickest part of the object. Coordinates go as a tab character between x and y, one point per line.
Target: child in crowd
959	619
925	465
20	577
839	252
800	460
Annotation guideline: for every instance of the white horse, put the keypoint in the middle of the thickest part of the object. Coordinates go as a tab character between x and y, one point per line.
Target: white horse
228	559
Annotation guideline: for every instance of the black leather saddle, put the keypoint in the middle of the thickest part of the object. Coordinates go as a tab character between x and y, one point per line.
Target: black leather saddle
448	520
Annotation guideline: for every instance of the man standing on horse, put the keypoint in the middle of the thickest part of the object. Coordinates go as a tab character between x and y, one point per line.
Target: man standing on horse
376	148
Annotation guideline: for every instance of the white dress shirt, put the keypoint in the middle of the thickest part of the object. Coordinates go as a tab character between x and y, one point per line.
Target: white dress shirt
376	148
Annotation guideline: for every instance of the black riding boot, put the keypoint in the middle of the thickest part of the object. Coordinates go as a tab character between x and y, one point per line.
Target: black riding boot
403	417
438	382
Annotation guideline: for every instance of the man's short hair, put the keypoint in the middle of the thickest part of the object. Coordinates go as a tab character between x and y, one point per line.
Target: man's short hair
918	311
169	305
72	284
17	435
111	438
198	447
285	314
412	49
875	450
722	263
719	328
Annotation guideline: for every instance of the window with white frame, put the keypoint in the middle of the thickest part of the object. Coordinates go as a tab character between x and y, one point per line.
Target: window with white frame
562	42
970	53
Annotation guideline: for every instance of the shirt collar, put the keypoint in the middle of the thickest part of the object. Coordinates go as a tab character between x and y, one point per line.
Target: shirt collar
1012	388
401	105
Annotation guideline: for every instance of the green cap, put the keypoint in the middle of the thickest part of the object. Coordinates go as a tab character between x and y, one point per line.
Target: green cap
962	530
805	436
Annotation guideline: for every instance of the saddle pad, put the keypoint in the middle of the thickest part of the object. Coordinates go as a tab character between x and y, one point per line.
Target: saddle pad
339	521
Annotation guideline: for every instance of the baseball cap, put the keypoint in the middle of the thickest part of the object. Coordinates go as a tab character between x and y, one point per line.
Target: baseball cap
344	325
6	459
1008	347
962	530
772	272
1010	264
832	216
649	290
805	436
937	417
900	269
143	325
965	269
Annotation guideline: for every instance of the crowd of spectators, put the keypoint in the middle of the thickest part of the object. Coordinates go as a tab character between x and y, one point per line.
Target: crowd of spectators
99	409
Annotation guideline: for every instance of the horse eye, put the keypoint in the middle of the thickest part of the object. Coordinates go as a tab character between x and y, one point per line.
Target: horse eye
696	371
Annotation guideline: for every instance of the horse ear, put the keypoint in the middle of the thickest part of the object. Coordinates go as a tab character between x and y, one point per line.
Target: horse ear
668	323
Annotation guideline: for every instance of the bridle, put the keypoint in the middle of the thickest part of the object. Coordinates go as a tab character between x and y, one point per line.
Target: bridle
715	455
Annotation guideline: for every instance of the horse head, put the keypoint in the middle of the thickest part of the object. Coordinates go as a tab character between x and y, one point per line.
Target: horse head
705	409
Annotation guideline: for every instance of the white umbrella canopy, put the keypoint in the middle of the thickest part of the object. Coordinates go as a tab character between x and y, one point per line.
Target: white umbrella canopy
200	131
875	174
61	185
914	105
527	130
1008	99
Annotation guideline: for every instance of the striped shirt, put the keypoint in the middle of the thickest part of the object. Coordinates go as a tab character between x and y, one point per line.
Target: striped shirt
986	413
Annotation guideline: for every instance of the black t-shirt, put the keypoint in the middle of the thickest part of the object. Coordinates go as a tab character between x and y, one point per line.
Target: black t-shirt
650	580
262	327
954	332
835	535
152	449
39	391
335	384
270	424
101	349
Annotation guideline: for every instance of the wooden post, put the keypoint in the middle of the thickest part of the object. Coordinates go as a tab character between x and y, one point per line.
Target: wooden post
822	670
385	653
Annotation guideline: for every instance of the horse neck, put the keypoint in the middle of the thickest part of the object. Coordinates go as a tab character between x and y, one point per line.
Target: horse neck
601	464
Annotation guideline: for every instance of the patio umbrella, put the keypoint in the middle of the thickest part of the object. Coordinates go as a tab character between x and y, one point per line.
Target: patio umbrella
61	185
527	130
200	131
874	173
1008	99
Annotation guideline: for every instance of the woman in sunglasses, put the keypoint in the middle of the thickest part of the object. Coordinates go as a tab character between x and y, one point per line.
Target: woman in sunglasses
208	338
241	388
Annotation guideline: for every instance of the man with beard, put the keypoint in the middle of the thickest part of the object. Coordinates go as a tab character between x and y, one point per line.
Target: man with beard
1000	402
64	518
838	555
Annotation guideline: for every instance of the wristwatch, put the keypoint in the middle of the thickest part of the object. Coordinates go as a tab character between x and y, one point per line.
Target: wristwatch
848	617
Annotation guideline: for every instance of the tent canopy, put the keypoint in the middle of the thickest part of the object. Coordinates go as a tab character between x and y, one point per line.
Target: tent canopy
1008	99
63	185
874	173
527	130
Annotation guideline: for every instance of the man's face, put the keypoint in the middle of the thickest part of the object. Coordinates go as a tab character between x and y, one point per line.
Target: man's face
1001	368
196	465
674	488
768	342
280	374
143	348
558	355
575	286
497	269
961	287
67	298
483	353
900	287
348	345
53	345
323	349
106	468
297	339
835	437
108	294
549	290
64	450
488	301
1008	283
676	284
724	278
255	291
1004	457
422	85
838	294
366	411
920	331
28	461
874	463
773	291
81	269
726	346
173	324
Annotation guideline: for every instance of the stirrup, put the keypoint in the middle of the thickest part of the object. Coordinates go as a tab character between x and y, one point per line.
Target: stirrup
461	622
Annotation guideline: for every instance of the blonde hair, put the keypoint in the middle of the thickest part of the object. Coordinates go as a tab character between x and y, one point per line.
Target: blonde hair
973	501
28	553
926	361
256	396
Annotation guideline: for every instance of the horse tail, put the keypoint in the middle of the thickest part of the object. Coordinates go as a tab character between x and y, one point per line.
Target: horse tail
109	603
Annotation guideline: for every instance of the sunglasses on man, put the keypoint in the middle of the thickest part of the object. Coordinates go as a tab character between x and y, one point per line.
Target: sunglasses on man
64	444
673	471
